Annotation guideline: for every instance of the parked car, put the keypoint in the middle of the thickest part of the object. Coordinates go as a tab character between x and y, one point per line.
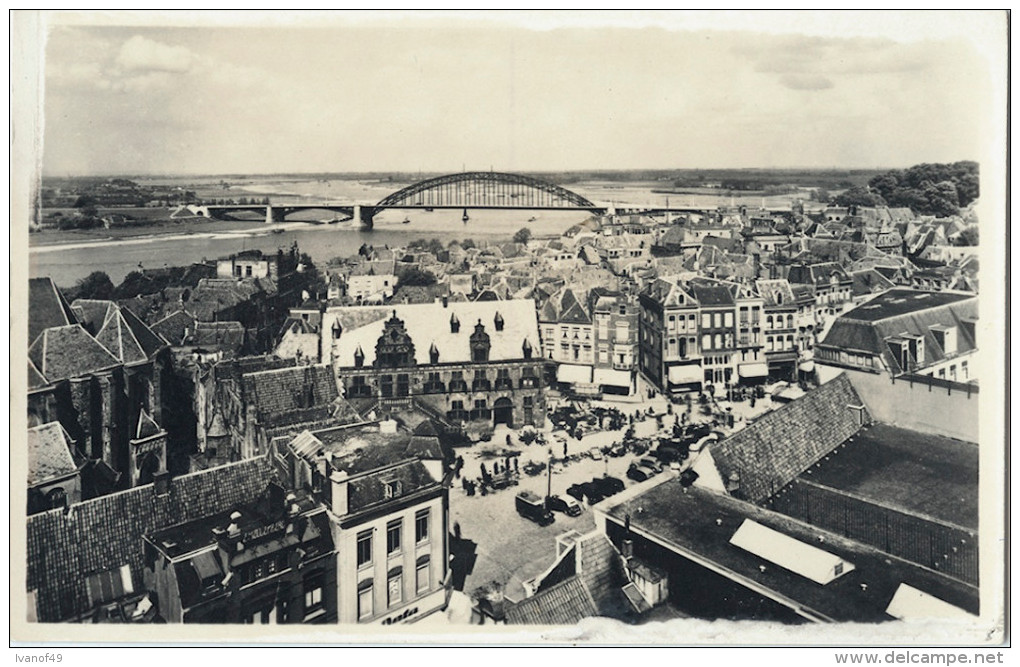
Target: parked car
568	506
531	506
650	463
607	485
596	453
576	491
638	473
592	493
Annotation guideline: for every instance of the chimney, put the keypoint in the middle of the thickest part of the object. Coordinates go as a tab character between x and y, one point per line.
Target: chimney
339	481
627	549
293	509
234	530
161	483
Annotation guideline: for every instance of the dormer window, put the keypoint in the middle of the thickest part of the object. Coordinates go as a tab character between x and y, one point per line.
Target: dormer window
454	323
391	488
434	354
337	330
498	321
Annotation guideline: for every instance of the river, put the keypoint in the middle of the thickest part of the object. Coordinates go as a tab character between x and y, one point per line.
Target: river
68	262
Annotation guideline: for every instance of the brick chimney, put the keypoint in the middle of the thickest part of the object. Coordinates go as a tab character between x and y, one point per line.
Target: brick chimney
161	483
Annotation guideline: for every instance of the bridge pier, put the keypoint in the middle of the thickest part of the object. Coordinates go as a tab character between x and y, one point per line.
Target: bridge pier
364	215
276	214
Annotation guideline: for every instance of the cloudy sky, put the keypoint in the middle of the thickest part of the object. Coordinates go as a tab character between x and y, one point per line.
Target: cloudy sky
515	92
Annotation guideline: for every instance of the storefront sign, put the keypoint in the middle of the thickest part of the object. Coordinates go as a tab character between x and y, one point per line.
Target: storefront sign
262	531
402	616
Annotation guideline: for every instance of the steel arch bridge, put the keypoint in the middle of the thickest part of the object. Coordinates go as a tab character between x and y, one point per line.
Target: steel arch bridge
486	189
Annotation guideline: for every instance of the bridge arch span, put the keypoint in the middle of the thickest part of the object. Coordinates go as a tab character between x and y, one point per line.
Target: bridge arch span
485	189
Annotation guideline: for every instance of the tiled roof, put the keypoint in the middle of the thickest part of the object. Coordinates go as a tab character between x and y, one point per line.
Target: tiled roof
234	369
220	335
46	308
174	326
870	281
66	352
429	323
566	603
64	548
782	444
275	393
49	453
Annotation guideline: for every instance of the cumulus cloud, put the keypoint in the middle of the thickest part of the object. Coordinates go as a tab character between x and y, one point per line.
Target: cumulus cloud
141	53
805	81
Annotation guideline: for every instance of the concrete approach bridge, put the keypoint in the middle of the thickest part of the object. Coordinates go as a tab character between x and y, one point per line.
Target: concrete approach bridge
469	190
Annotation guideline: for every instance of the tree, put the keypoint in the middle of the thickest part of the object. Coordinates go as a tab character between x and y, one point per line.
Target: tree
416	276
467	244
523	235
858	196
96	285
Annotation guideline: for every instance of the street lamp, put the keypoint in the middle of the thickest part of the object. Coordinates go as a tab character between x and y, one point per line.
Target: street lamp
548	477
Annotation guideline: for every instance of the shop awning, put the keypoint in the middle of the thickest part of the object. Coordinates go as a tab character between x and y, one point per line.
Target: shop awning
613	378
685	374
570	374
807	366
754	370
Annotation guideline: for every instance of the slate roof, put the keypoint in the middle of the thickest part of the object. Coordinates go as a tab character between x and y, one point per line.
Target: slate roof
818	275
870	281
64	548
47	308
429	323
219	335
92	313
775	292
369	490
770	453
868	327
65	352
35	378
712	295
174	326
49	453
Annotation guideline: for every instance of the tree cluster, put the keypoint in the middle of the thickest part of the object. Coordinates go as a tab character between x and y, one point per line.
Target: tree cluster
926	189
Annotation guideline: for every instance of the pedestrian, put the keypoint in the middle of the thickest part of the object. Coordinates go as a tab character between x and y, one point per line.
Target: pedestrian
565	447
508	440
495	467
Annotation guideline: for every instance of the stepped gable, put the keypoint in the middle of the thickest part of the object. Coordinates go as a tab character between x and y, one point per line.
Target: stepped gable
770	453
49	453
66	352
47	308
102	534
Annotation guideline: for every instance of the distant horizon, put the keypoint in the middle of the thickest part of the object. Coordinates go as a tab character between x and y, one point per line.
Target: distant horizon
424	172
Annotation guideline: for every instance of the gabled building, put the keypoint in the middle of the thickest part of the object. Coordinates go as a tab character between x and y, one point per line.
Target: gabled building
54	468
464	362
